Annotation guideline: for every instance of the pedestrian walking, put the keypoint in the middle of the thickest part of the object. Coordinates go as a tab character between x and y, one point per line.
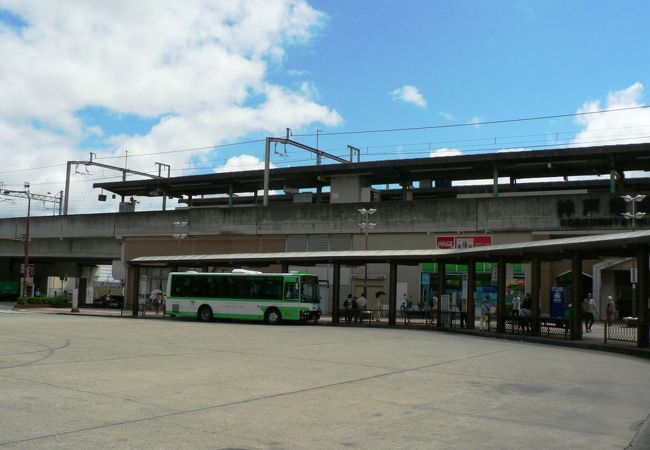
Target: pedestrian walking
485	315
361	307
156	298
516	305
347	308
588	311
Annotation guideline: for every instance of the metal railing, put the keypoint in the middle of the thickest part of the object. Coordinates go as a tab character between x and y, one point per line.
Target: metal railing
414	316
621	330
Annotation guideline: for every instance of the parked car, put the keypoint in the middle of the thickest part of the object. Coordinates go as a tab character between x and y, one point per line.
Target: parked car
115	301
109	301
101	302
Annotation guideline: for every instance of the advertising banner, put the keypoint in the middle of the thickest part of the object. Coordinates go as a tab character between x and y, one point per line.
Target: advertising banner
463	241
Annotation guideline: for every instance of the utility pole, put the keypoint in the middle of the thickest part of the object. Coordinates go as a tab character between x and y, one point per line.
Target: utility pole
28	195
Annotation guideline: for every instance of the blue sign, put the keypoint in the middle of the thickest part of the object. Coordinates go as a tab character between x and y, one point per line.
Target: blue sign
557	302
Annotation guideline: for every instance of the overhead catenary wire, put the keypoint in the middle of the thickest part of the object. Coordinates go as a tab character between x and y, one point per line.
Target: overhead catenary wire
370	131
471	124
465	150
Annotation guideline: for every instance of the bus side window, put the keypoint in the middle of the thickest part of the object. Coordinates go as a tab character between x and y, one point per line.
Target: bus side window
272	289
291	291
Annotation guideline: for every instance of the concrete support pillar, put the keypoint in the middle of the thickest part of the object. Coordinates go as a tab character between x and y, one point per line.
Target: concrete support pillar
441	292
501	295
576	297
392	295
471	288
336	285
495	182
642	297
536	275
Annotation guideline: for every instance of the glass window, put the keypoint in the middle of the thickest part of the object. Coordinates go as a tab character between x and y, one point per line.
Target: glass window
309	290
291	291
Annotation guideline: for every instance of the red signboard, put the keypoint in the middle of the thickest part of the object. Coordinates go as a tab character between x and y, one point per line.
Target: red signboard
463	241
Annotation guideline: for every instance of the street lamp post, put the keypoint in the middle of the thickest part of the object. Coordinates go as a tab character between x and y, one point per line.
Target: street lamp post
634	214
180	232
27	237
366	226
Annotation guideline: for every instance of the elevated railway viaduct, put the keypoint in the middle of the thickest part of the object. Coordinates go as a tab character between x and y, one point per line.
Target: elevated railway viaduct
315	208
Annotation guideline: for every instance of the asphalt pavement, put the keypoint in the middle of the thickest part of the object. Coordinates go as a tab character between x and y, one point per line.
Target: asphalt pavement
97	382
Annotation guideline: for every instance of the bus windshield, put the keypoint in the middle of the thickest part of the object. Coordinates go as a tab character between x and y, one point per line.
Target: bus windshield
309	290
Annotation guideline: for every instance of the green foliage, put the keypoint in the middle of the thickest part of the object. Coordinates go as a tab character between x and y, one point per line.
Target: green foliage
57	301
35	300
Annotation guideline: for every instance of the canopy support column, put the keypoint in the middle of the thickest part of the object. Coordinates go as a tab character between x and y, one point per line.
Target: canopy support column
392	295
576	310
336	294
471	288
501	295
642	297
536	282
132	288
441	292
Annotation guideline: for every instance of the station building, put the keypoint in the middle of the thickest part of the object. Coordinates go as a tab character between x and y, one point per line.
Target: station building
426	203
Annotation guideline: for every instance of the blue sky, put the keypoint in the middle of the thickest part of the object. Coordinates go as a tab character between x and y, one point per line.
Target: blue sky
473	59
190	75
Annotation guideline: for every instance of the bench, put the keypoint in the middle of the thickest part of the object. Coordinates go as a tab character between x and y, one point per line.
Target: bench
364	316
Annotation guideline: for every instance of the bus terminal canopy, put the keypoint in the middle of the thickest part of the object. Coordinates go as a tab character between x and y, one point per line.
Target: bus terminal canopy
615	244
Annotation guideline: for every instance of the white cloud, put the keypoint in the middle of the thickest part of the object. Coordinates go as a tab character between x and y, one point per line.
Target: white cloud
620	127
513	150
409	94
309	90
446	115
298	73
241	163
445	152
197	68
476	121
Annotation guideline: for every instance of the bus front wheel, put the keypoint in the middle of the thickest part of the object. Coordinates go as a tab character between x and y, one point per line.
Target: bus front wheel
205	313
273	316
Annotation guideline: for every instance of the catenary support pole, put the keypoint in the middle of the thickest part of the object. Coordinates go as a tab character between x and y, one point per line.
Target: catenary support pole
267	168
67	188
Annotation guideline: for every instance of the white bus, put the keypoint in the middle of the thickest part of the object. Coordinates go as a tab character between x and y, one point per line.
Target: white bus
244	295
